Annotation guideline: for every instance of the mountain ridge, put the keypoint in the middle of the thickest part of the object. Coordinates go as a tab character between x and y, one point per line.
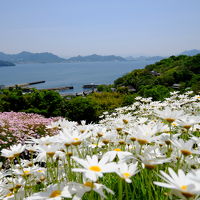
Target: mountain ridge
191	52
46	57
28	57
6	63
95	58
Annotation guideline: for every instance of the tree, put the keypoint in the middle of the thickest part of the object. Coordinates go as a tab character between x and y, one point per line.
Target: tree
80	108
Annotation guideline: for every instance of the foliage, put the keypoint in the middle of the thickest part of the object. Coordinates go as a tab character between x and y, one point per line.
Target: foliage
104	88
154	81
106	101
51	104
173	70
129	99
158	92
122	89
12	100
47	103
148	150
80	108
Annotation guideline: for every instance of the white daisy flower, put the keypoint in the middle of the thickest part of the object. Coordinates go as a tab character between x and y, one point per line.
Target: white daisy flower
46	150
185	147
181	183
187	121
119	153
13	152
93	169
53	192
169	114
126	171
78	190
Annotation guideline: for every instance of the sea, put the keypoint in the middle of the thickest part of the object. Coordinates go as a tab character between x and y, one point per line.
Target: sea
68	74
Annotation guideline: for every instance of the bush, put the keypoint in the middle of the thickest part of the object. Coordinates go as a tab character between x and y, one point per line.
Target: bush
47	103
104	88
158	92
106	101
129	99
12	100
80	108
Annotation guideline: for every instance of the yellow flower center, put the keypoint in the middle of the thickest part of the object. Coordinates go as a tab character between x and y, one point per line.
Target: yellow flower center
184	187
42	178
16	155
170	120
117	150
100	134
122	142
126	175
142	141
10	157
125	121
40	171
18	186
55	193
9	194
187	126
89	184
149	166
76	141
26	172
186	194
95	168
118	129
186	152
133	139
69	154
51	154
105	141
168	142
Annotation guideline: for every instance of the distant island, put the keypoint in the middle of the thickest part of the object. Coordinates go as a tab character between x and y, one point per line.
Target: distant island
95	58
6	63
192	52
145	58
27	57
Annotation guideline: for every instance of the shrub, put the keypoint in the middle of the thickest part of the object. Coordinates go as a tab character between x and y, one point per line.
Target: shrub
80	108
158	92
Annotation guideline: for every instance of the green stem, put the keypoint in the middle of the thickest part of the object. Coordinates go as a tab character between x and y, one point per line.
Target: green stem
79	154
69	169
12	168
126	190
91	195
120	189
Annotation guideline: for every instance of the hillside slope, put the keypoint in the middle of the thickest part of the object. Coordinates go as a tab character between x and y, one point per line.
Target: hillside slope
28	57
6	63
183	71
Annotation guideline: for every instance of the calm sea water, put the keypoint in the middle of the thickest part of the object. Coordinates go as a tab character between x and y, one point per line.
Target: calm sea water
68	74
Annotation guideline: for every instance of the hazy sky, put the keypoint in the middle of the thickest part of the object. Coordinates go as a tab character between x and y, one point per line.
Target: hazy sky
83	27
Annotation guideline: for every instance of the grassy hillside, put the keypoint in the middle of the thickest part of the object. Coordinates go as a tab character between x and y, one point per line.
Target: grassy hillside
183	70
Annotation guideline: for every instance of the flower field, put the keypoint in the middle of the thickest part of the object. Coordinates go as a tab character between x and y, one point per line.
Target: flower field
17	127
149	150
